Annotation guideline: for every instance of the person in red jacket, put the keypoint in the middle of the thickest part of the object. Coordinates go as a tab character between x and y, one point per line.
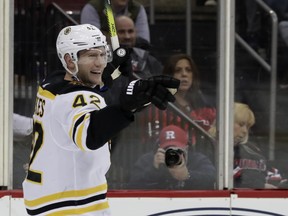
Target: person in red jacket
190	100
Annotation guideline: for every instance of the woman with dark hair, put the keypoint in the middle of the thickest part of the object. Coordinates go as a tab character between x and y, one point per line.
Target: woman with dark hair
190	100
189	96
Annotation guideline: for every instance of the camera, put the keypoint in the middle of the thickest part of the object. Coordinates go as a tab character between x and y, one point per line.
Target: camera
173	156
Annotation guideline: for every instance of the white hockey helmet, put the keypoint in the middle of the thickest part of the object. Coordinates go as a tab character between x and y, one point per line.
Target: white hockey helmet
73	39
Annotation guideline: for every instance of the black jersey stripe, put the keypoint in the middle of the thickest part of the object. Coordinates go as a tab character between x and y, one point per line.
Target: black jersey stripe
68	203
77	123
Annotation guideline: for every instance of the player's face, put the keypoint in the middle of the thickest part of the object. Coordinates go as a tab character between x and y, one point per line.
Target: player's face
184	73
126	31
91	64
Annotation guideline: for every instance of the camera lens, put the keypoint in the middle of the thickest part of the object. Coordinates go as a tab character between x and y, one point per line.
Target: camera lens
172	157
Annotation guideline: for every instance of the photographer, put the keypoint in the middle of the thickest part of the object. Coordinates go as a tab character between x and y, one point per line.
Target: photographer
173	165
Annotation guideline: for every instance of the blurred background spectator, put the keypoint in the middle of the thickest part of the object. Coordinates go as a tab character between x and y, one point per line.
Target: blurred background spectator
94	13
251	169
143	64
173	165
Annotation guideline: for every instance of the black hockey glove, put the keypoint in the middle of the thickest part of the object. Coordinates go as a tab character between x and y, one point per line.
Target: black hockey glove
156	89
122	61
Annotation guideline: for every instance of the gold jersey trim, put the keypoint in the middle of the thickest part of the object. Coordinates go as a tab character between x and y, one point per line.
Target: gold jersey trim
46	94
64	195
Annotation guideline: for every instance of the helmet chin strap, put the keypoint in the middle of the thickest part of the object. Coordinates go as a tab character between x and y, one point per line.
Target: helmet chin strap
74	74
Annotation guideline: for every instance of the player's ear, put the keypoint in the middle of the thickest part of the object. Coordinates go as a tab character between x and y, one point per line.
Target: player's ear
69	62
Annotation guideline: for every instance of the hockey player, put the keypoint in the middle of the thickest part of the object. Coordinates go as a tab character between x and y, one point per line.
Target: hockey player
73	125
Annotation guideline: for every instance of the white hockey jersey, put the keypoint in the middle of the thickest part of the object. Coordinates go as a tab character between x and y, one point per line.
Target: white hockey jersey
64	176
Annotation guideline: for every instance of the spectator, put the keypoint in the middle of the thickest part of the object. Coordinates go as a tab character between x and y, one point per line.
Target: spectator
190	100
144	65
184	170
93	13
250	166
189	97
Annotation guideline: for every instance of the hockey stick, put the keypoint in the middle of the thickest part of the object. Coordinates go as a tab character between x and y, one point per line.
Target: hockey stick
113	33
111	25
